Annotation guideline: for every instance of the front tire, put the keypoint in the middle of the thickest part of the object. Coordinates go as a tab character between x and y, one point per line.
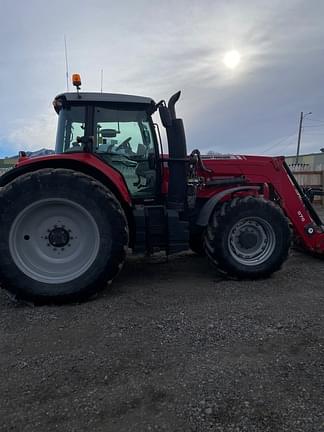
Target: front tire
248	238
63	236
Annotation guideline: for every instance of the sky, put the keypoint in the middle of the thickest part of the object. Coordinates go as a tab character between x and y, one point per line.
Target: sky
154	48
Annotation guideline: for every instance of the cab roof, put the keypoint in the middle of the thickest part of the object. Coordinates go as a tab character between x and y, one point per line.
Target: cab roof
103	97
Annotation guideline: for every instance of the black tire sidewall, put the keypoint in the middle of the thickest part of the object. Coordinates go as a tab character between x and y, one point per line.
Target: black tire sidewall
260	209
87	193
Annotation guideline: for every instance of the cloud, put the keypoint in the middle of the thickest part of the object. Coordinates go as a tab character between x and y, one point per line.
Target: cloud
31	134
155	48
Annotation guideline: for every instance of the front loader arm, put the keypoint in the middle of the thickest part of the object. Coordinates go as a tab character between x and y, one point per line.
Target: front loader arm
306	223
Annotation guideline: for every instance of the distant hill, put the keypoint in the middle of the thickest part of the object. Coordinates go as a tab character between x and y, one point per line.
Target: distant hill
9	162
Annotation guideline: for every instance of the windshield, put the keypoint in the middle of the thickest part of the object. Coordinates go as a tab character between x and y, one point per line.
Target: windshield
116	131
71	124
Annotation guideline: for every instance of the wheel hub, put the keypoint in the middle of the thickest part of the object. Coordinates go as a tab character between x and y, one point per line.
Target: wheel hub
251	241
59	237
248	240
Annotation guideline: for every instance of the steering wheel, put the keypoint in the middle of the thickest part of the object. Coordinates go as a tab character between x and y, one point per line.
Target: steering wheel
125	145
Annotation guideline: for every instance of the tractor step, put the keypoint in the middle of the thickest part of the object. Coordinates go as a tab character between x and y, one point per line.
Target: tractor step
158	228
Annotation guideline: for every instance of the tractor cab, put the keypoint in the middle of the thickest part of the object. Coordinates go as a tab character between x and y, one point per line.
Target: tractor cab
116	128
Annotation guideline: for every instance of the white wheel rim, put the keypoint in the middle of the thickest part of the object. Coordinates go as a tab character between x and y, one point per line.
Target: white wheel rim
54	240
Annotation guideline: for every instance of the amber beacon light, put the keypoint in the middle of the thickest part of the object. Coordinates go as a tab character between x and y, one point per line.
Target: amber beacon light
76	80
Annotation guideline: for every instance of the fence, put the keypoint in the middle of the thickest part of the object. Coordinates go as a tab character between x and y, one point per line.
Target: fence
311	179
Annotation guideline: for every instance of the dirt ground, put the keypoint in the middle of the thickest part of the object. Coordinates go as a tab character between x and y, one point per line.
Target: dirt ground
172	347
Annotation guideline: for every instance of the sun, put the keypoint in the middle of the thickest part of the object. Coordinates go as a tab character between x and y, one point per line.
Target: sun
232	59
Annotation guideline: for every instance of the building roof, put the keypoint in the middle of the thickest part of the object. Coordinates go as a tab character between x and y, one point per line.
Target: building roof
306	154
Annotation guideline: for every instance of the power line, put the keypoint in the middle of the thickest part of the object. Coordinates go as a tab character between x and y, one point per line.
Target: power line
315	120
279	142
314	126
316	132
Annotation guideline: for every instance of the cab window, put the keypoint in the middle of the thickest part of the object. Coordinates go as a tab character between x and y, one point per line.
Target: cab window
124	140
71	124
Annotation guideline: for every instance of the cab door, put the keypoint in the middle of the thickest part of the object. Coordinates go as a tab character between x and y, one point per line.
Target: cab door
125	139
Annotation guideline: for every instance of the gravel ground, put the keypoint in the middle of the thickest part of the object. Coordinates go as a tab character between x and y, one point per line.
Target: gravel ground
172	347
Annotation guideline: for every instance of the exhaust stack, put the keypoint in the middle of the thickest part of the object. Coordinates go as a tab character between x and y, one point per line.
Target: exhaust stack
177	192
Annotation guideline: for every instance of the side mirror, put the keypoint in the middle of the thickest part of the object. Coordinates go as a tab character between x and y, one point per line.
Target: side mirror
165	116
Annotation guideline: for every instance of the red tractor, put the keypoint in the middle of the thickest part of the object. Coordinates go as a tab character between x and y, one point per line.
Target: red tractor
68	219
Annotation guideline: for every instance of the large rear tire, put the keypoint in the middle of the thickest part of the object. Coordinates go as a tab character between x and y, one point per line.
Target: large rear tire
63	236
248	238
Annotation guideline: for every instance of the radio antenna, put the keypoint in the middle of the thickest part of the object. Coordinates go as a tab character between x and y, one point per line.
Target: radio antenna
66	65
102	76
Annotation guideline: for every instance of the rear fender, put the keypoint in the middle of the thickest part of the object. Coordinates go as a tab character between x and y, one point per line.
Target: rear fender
208	208
85	163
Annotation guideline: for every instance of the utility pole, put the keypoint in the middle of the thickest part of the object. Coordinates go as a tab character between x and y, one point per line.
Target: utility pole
302	116
299	135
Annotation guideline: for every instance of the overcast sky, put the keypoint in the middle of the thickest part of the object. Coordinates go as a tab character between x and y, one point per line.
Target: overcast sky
154	48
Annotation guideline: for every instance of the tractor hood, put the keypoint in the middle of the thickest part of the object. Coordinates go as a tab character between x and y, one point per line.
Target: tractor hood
237	164
214	159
